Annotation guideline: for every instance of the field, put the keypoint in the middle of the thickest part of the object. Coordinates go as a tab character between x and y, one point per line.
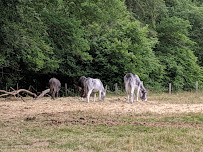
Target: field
164	123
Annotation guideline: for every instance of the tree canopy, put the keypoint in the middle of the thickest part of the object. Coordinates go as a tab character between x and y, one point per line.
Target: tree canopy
159	40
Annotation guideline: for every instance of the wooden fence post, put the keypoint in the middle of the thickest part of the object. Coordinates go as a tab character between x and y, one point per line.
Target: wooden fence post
106	87
169	88
196	86
66	93
116	88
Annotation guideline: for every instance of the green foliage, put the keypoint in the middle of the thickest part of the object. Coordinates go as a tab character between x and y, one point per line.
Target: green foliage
147	11
125	49
23	45
174	52
105	39
67	37
178	24
190	11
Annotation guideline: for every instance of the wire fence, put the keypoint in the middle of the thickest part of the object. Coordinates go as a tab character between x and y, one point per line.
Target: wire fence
116	89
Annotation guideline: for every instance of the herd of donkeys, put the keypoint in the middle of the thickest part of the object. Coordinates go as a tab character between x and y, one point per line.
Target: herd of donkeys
88	85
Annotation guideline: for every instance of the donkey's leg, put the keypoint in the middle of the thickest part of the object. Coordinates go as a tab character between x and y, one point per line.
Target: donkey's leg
127	92
84	93
53	95
88	95
95	96
57	94
52	92
100	95
132	94
128	95
138	91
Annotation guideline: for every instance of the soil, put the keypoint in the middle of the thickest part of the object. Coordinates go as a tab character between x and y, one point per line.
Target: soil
17	108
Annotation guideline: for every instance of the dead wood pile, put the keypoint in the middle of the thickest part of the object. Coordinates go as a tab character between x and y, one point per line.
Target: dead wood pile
16	92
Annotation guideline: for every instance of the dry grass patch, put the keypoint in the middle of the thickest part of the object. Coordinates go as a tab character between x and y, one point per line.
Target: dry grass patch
69	124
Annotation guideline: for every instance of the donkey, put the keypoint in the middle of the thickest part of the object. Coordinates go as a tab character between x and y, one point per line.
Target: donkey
133	82
55	86
81	84
94	85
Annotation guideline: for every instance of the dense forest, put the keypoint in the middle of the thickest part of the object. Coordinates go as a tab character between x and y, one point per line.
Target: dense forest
159	40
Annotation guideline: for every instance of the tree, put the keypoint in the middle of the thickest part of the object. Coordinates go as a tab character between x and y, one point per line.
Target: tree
23	41
125	49
192	12
147	11
175	53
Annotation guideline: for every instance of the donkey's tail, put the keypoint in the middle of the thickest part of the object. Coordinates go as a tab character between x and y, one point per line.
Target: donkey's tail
128	83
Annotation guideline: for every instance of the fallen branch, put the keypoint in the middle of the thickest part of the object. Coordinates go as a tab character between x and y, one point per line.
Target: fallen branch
43	93
17	92
4	95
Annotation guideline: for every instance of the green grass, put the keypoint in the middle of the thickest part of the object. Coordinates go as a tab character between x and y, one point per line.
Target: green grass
195	118
98	132
103	137
177	98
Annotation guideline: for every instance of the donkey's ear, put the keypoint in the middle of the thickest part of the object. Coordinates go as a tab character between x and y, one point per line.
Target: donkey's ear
106	88
148	91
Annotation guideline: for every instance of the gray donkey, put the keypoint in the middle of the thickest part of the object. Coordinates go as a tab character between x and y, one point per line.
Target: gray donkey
94	85
55	86
133	82
81	85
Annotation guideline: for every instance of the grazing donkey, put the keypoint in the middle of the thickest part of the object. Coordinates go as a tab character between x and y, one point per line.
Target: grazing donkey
55	86
133	82
81	84
94	85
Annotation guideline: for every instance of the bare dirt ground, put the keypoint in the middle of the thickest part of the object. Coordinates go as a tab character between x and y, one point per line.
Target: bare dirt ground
14	109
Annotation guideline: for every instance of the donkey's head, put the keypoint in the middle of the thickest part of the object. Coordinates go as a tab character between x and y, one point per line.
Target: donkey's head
103	94
143	94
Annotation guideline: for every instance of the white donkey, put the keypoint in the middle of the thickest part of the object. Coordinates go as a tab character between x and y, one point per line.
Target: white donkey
94	85
133	82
